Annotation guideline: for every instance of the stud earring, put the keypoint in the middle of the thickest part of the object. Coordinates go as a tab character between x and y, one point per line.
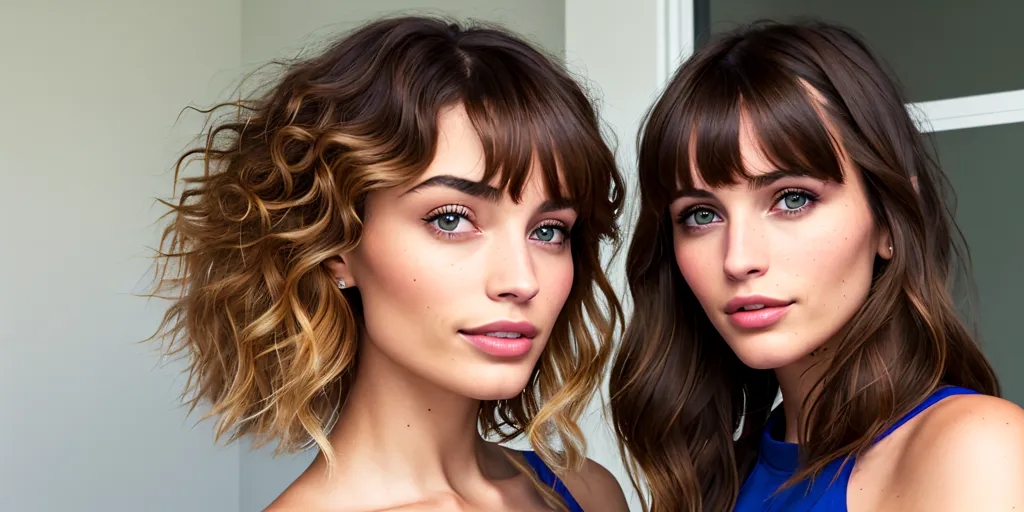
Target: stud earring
341	284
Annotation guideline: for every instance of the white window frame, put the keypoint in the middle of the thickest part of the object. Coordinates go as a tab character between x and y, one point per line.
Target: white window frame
676	36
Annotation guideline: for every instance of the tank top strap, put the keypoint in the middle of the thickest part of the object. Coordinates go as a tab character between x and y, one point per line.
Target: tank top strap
932	399
550	479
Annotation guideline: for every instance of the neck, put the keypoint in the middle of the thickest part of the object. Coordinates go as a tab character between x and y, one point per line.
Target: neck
796	381
407	429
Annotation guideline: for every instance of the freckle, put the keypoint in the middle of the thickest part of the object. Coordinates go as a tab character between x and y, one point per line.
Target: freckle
414	279
428	410
408	425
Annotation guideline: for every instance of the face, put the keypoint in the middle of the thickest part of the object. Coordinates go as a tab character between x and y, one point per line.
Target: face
460	285
780	263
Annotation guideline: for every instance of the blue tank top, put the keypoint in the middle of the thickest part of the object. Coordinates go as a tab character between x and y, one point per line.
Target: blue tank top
548	478
777	461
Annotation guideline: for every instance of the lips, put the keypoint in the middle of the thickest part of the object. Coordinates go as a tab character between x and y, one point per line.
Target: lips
754	303
756	311
504	329
504	339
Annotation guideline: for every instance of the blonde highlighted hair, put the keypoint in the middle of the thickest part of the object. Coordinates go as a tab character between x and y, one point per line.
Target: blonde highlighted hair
270	339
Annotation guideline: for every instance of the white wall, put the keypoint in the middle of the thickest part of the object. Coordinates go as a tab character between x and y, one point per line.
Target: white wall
89	94
615	48
272	29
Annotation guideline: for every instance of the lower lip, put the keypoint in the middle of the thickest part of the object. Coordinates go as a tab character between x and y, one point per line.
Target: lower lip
500	347
758	319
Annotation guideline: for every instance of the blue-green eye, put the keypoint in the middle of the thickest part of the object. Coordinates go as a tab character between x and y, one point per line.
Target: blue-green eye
701	217
550	234
792	201
545	234
449	221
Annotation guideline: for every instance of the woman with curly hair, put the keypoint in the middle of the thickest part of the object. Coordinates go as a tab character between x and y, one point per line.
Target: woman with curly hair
393	253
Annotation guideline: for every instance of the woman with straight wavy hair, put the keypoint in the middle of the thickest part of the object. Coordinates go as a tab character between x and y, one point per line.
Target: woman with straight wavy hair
393	253
792	236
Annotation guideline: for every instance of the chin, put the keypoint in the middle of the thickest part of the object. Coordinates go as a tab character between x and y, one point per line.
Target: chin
761	352
492	383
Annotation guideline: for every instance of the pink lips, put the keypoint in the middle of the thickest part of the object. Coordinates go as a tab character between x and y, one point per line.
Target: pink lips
502	339
756	312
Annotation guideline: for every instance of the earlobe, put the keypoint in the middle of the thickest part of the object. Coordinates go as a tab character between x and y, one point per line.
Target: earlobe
339	270
885	249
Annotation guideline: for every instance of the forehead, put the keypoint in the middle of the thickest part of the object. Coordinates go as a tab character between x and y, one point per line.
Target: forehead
753	158
460	152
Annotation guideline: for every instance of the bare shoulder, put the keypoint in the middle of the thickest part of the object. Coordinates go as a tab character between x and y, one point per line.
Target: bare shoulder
293	499
967	453
596	488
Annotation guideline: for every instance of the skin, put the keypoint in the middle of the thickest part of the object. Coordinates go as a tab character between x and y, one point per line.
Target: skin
813	244
434	260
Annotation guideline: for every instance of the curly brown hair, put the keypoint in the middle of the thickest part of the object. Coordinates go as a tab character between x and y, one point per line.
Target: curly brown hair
270	339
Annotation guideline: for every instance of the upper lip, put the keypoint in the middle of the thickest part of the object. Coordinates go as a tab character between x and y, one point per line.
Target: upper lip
526	329
734	305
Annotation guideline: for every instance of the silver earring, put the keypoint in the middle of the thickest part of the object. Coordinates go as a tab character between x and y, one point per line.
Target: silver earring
341	284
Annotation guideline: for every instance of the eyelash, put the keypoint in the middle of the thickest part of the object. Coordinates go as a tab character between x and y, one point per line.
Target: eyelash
811	199
464	212
448	209
558	226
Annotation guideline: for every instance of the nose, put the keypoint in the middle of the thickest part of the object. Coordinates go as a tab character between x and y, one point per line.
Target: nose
512	277
746	252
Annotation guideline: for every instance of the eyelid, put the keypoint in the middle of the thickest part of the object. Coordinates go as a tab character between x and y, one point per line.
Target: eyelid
811	196
458	209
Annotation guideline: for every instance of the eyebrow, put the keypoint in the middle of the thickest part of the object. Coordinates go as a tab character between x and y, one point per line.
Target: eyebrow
484	191
552	205
756	182
473	188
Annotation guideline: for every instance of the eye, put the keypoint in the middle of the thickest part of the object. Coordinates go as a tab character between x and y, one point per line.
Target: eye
551	234
792	201
700	217
450	220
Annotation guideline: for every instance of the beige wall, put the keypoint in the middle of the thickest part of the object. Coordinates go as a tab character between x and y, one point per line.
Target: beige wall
88	101
615	50
272	28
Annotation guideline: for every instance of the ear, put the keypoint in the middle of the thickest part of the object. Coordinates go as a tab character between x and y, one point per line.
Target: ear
885	248
340	272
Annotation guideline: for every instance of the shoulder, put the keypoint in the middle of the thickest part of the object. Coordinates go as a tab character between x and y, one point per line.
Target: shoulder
596	488
967	453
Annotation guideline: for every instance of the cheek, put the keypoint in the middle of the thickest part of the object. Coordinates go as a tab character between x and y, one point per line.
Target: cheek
697	264
835	264
406	280
556	274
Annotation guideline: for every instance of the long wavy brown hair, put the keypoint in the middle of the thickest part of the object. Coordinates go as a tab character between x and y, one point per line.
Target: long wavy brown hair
678	393
269	338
